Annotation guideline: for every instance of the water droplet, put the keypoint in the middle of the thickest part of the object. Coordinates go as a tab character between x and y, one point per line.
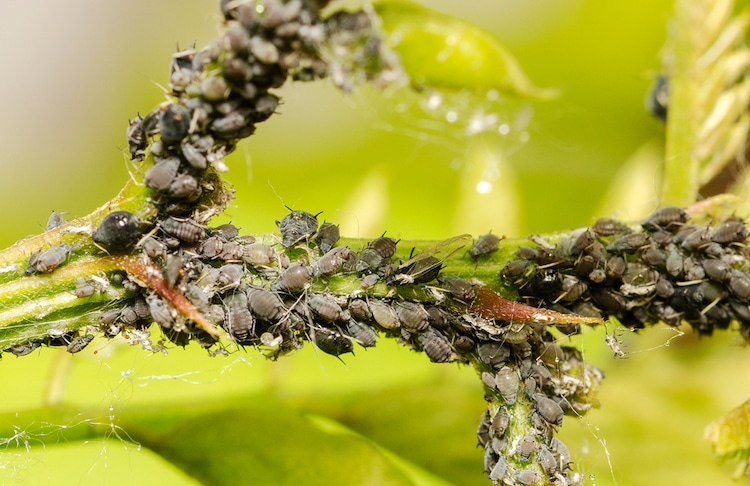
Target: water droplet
434	100
456	164
504	129
484	187
451	116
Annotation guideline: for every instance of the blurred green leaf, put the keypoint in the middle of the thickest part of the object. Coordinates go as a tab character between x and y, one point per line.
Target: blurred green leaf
438	51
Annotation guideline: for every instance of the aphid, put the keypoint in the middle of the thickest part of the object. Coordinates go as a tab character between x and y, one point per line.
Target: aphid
239	322
265	304
583	241
333	261
327	236
186	230
697	240
136	138
297	226
128	315
118	231
549	410
515	270
506	381
716	270
664	288
657	100
228	232
730	232
46	261
330	341
293	279
153	248
483	431
84	289
418	271
526	448
212	247
77	344
546	460
160	175
412	315
435	345
257	254
693	269
489	380
459	288
230	275
325	307
629	243
368	281
559	449
194	157
608	300
55	219
527	476
485	245
174	124
493	354
674	263
572	289
359	310
369	260
500	423
609	227
160	312
652	256
109	316
185	186
739	284
22	349
498	472
490	458
361	333
666	218
639	280
384	314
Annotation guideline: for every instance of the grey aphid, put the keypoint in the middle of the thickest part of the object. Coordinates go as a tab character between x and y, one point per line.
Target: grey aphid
258	254
384	314
459	288
77	344
526	448
230	275
46	261
193	156
483	431
506	381
325	307
296	227
160	175
485	245
160	312
412	315
549	410
293	279
84	289
328	235
265	304
435	346
212	247
527	476
333	261
666	218
361	333
609	227
500	423
55	219
239	322
730	232
359	310
186	230
154	248
498	472
185	186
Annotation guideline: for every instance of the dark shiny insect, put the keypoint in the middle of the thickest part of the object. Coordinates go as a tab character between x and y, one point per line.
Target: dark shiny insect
186	230
174	124
485	245
657	100
327	236
46	261
77	344
296	227
118	232
425	267
330	341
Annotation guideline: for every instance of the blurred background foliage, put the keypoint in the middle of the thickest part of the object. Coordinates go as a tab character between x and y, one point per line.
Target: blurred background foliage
76	71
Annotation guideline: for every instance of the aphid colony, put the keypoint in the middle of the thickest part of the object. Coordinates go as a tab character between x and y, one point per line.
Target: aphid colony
671	271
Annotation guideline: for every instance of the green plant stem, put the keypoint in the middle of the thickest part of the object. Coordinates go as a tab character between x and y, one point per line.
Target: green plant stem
680	184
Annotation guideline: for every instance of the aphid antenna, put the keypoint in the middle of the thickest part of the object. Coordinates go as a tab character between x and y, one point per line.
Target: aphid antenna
131	165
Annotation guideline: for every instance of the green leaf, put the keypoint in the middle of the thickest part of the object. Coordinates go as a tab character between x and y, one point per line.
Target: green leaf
266	444
441	52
